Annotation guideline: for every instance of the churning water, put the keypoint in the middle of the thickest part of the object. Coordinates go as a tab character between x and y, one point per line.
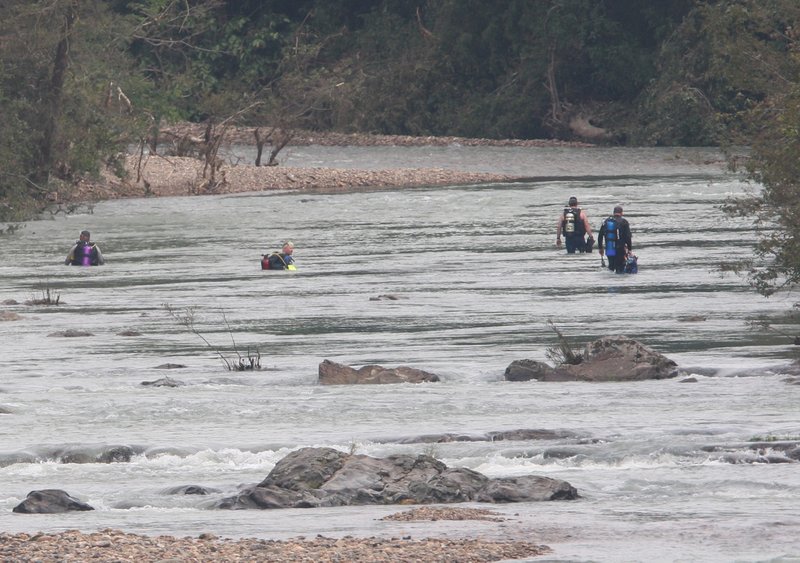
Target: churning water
666	470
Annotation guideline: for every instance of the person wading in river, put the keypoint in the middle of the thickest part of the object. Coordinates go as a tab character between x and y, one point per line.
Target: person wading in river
84	252
282	260
574	225
616	232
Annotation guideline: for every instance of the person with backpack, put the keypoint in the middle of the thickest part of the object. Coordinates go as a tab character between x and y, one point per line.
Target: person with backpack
616	232
84	252
279	260
574	225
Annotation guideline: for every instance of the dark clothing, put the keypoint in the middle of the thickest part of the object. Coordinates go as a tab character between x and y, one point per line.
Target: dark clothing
277	261
617	241
84	254
575	243
574	230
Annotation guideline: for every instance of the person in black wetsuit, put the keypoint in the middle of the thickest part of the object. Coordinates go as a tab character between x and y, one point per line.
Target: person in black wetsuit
616	232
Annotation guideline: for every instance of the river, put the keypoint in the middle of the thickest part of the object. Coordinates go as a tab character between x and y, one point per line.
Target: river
664	468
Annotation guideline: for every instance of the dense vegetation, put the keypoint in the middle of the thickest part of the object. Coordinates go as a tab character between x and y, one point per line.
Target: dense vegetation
83	80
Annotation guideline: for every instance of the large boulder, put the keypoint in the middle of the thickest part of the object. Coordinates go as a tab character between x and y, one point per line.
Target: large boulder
619	358
50	501
525	370
331	373
314	477
526	488
611	358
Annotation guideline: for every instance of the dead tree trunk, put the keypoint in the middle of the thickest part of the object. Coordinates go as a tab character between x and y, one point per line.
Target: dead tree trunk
281	141
55	102
260	142
552	86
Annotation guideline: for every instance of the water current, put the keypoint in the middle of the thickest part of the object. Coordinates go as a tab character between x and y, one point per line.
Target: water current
665	469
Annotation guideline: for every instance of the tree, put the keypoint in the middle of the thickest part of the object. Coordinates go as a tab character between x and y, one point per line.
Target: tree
58	61
774	167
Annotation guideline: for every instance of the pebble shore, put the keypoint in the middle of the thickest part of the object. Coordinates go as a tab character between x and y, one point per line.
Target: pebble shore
159	176
115	545
166	176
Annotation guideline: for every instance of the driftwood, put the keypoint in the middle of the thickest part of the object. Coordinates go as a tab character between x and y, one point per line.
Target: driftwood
581	127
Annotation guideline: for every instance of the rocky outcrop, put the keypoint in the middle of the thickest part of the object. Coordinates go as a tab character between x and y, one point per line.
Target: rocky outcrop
525	370
331	373
50	501
316	477
611	358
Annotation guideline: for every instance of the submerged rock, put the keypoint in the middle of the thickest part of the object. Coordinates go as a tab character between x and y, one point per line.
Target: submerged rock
129	333
521	434
50	501
71	333
331	373
164	382
317	477
189	490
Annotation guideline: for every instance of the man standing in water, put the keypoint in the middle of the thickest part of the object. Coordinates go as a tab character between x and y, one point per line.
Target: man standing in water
617	235
574	224
84	253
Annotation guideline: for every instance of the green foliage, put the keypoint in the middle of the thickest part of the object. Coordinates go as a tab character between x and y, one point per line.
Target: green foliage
723	60
685	72
774	163
775	209
87	131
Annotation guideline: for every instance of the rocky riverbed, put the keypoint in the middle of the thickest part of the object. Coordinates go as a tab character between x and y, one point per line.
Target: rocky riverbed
115	545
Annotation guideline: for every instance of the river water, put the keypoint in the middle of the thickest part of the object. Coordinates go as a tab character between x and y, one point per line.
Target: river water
664	468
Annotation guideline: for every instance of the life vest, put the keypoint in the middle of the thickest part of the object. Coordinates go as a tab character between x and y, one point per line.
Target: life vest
84	254
572	224
612	235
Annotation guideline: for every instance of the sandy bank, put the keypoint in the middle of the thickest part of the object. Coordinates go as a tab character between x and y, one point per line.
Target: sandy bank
159	176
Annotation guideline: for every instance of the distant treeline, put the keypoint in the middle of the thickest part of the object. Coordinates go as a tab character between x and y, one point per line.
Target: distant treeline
81	80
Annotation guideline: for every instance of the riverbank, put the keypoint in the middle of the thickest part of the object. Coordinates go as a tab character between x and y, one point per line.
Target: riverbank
166	176
116	545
